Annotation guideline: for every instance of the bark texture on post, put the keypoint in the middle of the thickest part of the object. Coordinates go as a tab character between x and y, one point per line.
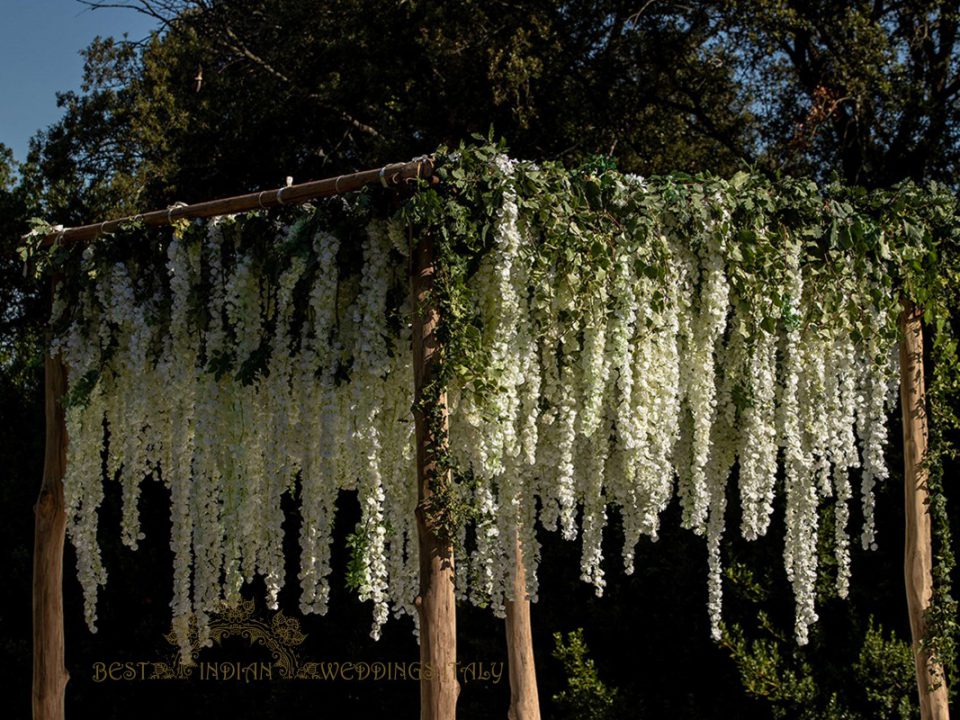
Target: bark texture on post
918	556
524	699
436	603
49	672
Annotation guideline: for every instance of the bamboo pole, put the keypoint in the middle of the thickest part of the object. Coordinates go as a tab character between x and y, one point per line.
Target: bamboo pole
49	672
918	556
436	603
387	176
524	698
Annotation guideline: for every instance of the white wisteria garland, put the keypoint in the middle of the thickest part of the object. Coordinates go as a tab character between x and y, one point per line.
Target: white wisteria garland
603	388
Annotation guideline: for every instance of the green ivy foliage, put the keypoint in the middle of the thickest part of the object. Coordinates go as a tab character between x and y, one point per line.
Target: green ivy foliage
583	214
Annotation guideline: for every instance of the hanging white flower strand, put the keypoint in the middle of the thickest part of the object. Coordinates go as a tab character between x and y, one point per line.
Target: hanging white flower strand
195	535
319	485
83	479
371	365
709	322
758	450
282	454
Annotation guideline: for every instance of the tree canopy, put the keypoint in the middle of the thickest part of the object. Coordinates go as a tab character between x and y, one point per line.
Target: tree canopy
234	95
229	92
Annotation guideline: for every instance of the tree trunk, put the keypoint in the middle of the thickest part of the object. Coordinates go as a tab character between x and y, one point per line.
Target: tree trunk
918	561
524	699
49	672
436	603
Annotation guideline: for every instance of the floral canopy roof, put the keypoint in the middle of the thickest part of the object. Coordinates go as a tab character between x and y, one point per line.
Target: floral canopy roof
611	344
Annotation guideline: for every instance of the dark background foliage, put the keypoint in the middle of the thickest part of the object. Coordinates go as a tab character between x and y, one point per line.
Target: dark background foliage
233	95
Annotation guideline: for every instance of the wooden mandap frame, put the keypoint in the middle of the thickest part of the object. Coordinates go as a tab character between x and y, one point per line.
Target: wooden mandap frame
436	603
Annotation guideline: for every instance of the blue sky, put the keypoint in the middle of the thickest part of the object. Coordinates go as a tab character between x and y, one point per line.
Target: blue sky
40	43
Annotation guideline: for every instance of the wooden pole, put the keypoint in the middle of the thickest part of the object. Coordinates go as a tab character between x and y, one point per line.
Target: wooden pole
918	556
49	672
524	699
436	603
388	176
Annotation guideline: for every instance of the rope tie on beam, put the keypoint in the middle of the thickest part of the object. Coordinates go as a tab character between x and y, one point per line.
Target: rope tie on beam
170	209
420	160
280	191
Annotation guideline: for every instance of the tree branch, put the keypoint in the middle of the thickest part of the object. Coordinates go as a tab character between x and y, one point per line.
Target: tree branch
240	47
165	12
710	129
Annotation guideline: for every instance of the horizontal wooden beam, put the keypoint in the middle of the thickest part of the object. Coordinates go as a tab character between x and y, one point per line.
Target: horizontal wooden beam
387	176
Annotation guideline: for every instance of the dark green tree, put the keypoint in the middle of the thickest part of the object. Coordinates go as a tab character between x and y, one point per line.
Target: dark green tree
235	95
868	88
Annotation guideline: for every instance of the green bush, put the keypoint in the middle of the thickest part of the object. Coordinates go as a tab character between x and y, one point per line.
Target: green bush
586	697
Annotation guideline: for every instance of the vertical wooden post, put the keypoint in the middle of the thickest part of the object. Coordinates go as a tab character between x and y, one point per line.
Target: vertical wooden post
436	603
524	699
918	560
49	672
